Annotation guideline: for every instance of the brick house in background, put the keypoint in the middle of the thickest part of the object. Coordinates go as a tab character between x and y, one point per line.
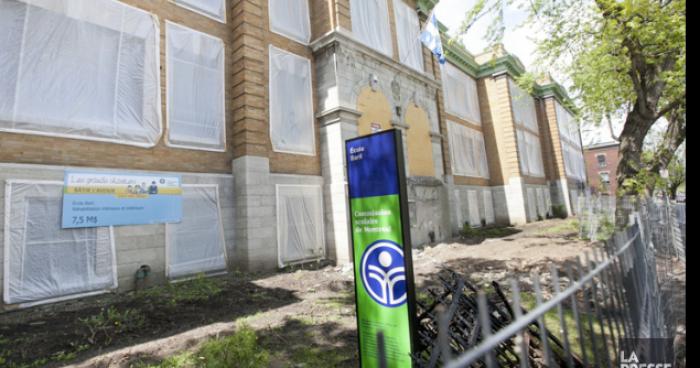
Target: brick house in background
250	101
601	166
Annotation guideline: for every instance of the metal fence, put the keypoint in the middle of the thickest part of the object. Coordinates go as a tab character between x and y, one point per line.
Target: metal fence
585	312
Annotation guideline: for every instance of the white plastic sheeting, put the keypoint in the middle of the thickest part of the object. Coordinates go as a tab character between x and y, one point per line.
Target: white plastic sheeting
196	244
541	206
461	96
467	150
215	9
195	94
474	216
85	69
530	153
291	104
44	262
370	24
531	204
407	35
488	207
299	223
568	128
290	18
524	112
574	164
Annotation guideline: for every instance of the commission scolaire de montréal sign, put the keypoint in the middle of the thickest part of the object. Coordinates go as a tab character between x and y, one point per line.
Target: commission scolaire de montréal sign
384	288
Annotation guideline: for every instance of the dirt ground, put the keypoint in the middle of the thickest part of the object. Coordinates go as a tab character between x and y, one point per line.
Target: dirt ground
302	315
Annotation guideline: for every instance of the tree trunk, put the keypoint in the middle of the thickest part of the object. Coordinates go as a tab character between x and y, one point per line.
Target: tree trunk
630	157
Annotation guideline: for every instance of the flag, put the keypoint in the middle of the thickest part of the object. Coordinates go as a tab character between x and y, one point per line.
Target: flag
431	37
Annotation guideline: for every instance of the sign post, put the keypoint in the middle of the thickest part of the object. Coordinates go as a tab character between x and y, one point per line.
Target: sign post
384	286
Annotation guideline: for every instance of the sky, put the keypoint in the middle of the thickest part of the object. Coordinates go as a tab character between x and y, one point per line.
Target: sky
517	41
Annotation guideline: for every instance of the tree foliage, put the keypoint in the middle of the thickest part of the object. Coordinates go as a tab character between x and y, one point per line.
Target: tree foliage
623	59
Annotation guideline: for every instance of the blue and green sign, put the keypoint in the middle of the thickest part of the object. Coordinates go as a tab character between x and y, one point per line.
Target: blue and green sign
381	248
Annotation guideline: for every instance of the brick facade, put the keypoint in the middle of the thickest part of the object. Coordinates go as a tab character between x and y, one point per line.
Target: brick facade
595	168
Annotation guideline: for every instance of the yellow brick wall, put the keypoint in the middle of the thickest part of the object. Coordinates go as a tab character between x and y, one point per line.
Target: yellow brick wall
24	148
420	147
553	152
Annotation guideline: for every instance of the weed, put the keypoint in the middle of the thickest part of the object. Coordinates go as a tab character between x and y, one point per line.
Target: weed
238	350
109	323
199	289
559	210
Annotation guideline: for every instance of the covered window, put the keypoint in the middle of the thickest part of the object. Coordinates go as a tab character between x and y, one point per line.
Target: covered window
407	34
574	165
299	223
196	244
602	162
370	24
461	98
80	69
45	262
531	204
568	127
530	153
195	97
215	9
467	150
290	18
291	104
524	112
488	207
474	216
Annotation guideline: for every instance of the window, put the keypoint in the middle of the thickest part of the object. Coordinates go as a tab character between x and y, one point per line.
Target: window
568	127
461	98
530	153
574	165
291	119
196	244
473	201
290	18
215	9
605	177
407	32
45	262
488	207
602	162
524	112
370	24
467	150
86	71
195	94
299	223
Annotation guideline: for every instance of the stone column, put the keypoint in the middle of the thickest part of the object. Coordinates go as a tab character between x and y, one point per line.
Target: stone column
337	126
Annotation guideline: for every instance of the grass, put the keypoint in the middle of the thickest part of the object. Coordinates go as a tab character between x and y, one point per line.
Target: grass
552	323
568	226
238	350
197	290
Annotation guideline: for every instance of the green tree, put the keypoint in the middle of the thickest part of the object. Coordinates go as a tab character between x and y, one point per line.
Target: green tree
624	59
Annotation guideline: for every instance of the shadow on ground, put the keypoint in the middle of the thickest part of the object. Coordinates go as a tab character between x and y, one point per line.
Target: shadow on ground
64	332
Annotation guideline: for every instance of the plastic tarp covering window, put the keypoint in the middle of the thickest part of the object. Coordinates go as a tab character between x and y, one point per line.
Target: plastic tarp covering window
370	24
574	164
299	223
524	112
541	207
196	244
85	69
530	153
290	18
461	97
195	98
568	128
215	9
468	151
407	34
474	216
531	204
44	261
291	104
488	207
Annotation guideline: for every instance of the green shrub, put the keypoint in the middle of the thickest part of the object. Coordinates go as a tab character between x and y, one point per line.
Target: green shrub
559	210
468	231
110	322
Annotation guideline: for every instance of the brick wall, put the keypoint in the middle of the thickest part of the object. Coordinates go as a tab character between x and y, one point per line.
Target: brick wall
593	169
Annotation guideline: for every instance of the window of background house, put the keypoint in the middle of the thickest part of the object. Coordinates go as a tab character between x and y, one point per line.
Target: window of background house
370	24
407	31
290	18
89	72
215	9
601	161
195	89
291	104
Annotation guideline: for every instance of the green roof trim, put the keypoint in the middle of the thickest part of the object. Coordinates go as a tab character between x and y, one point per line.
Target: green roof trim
508	63
555	89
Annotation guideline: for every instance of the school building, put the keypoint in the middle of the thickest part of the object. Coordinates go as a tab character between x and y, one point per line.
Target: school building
251	101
